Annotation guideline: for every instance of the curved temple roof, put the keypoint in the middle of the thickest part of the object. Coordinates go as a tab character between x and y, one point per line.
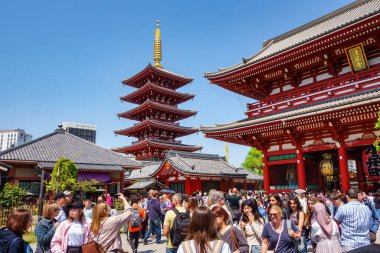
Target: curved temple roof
336	20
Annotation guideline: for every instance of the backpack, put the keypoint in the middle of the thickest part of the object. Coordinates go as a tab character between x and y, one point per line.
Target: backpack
135	221
180	227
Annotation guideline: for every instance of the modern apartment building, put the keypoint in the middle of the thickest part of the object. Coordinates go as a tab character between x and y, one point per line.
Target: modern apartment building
13	137
84	131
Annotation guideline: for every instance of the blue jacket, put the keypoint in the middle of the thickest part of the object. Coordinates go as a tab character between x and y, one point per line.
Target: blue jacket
374	222
154	209
9	240
44	231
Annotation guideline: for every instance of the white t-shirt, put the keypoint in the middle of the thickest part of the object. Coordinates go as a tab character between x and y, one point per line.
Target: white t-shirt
76	234
225	248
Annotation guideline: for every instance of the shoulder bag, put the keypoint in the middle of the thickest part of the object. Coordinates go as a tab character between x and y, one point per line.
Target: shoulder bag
298	245
94	247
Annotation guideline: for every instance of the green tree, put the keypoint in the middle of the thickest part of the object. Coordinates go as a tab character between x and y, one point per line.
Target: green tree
376	144
254	161
63	177
11	195
86	186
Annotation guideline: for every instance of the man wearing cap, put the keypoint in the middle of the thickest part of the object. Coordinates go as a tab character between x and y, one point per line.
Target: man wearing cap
68	200
302	198
60	199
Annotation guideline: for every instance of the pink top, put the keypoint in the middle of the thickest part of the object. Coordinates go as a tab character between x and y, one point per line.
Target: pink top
61	236
109	200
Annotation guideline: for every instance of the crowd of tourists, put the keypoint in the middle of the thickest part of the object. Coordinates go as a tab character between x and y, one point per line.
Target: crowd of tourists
213	222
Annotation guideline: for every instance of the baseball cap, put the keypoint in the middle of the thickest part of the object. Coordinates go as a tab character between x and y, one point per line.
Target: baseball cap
58	195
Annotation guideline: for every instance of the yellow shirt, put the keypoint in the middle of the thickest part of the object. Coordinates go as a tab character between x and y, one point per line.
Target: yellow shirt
169	220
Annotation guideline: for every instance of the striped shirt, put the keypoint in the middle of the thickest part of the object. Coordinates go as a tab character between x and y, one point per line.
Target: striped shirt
354	218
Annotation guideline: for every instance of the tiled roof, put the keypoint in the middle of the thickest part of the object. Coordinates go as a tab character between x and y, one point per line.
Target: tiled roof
51	147
149	105
144	172
348	100
81	166
134	80
338	19
148	123
157	143
206	164
144	184
252	176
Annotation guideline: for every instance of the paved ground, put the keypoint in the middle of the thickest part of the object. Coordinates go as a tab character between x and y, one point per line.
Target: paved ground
151	247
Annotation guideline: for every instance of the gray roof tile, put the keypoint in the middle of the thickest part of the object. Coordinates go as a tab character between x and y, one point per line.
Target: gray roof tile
144	184
206	164
51	147
144	172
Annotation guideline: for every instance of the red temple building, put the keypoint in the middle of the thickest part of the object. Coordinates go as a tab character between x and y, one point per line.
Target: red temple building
157	111
317	92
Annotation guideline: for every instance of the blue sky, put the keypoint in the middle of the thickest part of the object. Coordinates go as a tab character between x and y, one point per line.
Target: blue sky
64	60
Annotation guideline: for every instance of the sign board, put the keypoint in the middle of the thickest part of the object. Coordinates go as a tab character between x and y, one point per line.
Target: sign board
357	58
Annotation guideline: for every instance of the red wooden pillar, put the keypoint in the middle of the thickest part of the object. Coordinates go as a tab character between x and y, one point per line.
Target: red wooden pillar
343	168
266	171
187	186
301	169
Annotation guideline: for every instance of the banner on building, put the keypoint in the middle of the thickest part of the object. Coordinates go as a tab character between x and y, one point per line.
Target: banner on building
371	163
357	58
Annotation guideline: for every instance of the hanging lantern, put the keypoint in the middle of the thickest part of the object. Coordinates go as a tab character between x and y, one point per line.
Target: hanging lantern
326	167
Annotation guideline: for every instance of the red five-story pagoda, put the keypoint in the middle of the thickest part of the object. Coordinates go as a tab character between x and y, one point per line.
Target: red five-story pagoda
157	111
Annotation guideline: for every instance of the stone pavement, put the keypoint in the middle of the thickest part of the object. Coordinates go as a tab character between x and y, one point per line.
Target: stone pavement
151	247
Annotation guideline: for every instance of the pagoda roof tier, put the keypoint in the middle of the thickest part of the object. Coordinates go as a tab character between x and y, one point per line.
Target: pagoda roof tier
260	124
132	131
152	73
149	106
338	25
168	145
148	88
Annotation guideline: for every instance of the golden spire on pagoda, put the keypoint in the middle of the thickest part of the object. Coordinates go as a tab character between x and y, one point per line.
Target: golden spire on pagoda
157	46
226	150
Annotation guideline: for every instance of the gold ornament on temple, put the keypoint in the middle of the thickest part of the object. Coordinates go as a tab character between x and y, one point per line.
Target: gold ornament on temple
157	53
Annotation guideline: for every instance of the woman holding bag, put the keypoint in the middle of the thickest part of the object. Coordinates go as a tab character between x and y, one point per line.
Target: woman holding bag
105	229
276	236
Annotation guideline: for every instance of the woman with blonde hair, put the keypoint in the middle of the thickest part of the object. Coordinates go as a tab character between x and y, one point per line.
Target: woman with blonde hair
105	229
72	233
277	236
45	229
202	236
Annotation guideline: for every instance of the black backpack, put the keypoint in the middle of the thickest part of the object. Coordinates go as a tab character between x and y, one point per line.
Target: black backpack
180	227
135	221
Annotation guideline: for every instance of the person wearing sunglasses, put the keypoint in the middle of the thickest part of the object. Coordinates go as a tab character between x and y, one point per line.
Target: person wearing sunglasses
45	229
277	236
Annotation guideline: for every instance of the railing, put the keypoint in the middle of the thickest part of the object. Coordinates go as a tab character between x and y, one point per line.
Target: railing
4	213
316	91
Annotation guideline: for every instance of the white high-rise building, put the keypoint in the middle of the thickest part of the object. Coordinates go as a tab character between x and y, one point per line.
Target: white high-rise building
84	131
13	137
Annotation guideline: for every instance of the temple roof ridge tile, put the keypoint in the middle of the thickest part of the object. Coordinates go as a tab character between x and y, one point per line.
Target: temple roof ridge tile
343	100
340	18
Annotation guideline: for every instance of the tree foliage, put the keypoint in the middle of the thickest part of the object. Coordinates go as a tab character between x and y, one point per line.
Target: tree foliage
254	161
11	195
86	186
63	177
376	144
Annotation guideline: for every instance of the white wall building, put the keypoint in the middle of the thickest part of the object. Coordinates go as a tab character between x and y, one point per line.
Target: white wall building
13	137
